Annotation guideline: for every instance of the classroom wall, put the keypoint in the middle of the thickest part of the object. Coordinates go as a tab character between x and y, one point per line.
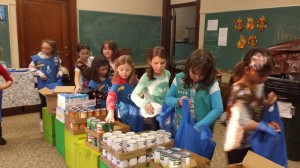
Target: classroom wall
214	6
14	50
137	7
173	2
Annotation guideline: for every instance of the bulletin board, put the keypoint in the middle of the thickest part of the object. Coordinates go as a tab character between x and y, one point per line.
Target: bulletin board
282	25
4	34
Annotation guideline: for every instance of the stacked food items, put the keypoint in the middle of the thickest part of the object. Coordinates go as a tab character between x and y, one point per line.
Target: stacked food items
172	158
131	149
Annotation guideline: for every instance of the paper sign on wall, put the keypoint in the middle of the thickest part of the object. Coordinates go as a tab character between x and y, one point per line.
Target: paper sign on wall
222	39
212	25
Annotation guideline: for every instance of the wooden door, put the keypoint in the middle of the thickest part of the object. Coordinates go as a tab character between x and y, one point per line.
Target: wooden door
53	19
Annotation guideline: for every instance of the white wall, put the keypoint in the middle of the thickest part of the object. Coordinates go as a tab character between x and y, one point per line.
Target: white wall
14	49
214	6
173	2
138	7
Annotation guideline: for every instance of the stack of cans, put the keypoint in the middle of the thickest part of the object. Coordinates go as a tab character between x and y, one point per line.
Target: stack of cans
131	141
172	158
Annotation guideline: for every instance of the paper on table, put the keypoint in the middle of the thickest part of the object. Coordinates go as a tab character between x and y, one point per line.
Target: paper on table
212	25
222	41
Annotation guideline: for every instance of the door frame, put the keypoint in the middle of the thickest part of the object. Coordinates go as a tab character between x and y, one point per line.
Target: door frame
166	23
72	29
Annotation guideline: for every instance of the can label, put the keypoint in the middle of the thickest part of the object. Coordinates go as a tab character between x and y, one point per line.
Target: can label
159	139
118	145
105	136
104	153
151	141
141	143
175	162
99	143
122	163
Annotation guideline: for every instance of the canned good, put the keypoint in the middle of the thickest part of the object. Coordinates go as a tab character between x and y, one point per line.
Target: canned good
117	145
83	114
141	143
167	137
152	132
90	138
76	126
89	121
150	140
83	125
116	132
136	136
157	151
129	133
97	112
175	150
99	142
113	160
149	157
161	131
91	112
103	111
131	145
94	125
109	156
132	162
104	153
69	112
122	163
144	135
100	127
175	161
73	114
121	136
105	136
110	127
185	159
77	114
110	140
141	159
125	141
94	141
164	158
159	139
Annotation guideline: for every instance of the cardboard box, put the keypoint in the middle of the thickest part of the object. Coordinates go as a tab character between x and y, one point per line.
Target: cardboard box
60	114
75	132
118	126
51	96
64	103
253	160
95	148
111	165
196	162
136	153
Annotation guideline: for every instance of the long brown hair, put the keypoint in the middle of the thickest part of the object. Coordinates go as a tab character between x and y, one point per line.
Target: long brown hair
266	67
200	62
156	51
125	59
113	46
96	64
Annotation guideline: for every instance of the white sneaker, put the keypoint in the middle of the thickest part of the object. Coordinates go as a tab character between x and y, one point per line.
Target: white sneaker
41	126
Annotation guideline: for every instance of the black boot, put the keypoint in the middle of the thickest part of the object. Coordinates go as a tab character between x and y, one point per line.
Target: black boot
2	140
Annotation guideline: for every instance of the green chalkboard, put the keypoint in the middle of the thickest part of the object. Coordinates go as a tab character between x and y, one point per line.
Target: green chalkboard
4	34
128	31
283	25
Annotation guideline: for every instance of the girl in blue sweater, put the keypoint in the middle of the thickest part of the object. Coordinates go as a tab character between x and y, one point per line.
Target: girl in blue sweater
198	83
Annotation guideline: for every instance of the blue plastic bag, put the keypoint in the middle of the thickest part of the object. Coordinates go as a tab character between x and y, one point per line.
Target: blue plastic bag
266	144
166	119
187	137
135	119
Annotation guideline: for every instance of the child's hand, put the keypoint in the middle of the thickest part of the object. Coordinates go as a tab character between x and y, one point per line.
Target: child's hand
110	118
44	77
274	125
180	100
78	89
271	99
149	109
2	87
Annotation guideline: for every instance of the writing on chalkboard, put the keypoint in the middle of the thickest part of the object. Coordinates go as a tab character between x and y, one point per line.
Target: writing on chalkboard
284	35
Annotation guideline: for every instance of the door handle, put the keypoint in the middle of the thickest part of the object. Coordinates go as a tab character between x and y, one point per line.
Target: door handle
66	51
